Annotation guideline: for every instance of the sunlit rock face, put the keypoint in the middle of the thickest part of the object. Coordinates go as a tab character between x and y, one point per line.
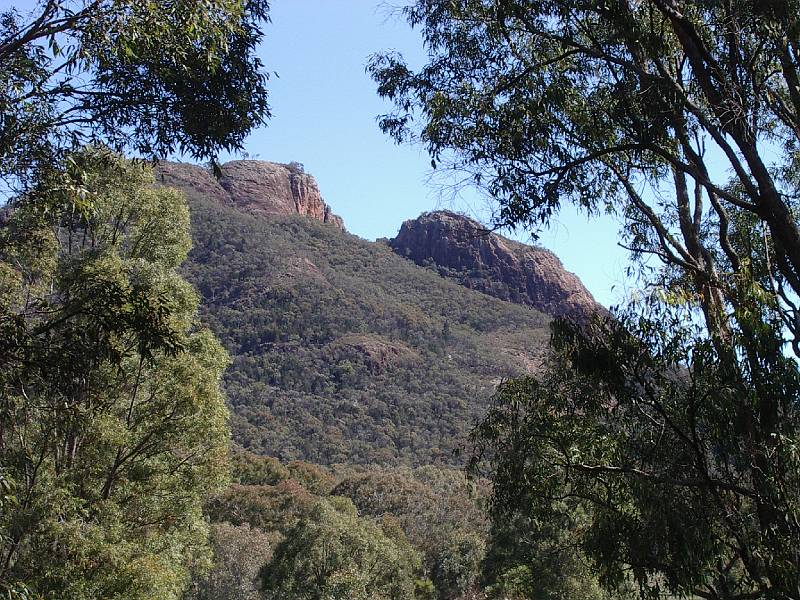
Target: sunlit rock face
254	186
462	249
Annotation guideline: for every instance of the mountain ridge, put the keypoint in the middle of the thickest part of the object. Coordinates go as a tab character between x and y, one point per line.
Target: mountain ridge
342	350
460	248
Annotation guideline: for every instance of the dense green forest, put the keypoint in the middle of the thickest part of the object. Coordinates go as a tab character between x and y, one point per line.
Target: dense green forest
113	427
341	350
419	524
297	530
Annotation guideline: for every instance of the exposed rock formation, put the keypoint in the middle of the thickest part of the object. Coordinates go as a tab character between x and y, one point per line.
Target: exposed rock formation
253	186
193	180
376	352
462	249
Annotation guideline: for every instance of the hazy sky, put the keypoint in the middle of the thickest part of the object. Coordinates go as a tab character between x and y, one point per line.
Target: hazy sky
324	109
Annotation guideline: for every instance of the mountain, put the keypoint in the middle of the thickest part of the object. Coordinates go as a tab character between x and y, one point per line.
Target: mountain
465	251
343	351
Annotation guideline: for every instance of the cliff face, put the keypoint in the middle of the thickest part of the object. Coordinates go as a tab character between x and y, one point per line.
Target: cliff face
462	249
253	186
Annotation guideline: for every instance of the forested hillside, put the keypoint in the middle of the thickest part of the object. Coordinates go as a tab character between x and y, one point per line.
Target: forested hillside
349	355
343	351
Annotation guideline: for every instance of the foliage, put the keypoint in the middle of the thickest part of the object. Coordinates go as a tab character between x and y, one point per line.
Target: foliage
112	424
239	554
436	509
625	106
312	477
335	554
673	430
338	345
440	513
250	469
567	101
648	443
456	568
150	77
296	168
532	557
270	508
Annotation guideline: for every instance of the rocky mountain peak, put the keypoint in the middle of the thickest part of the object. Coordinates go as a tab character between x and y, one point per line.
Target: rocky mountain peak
464	250
254	186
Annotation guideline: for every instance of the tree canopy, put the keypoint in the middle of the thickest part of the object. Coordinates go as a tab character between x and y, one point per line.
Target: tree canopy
112	426
113	429
335	554
148	77
673	427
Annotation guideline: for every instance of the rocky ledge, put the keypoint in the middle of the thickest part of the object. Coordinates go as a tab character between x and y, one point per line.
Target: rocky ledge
254	186
463	250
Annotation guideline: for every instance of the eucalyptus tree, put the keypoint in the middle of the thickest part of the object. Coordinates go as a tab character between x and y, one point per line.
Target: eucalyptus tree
682	118
112	425
147	77
596	102
113	429
335	554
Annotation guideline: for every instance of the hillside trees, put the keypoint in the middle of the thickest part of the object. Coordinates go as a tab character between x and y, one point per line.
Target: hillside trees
334	554
304	383
440	514
112	425
673	429
379	531
239	554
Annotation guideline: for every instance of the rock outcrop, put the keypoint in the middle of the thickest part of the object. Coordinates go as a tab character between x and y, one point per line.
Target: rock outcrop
254	186
462	249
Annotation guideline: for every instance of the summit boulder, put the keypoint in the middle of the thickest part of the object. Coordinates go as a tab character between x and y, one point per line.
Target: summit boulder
462	249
